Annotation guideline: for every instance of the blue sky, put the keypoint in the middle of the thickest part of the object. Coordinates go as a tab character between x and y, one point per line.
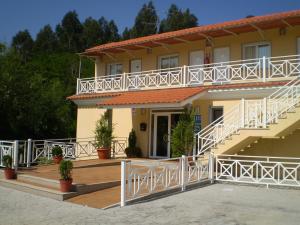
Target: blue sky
17	15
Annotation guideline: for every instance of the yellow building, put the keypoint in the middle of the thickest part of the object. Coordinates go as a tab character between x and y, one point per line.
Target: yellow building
239	76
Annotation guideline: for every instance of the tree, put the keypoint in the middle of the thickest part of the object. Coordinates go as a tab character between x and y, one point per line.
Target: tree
22	42
146	21
92	33
46	41
126	34
70	33
176	20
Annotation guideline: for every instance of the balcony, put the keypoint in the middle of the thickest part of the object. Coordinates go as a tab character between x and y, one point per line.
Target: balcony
243	71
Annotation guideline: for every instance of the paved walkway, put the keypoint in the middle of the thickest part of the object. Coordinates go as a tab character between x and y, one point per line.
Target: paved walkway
212	205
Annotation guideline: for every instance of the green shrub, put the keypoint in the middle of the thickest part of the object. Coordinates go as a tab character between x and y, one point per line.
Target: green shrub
65	169
103	132
44	161
182	138
132	150
7	161
57	151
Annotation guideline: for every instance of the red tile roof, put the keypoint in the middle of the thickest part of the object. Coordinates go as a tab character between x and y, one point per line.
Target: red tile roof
213	30
92	96
174	95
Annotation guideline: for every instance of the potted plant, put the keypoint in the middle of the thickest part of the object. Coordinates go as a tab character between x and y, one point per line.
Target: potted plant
182	138
132	150
65	169
103	136
9	172
57	154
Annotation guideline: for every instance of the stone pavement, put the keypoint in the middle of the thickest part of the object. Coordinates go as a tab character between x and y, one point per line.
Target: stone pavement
211	205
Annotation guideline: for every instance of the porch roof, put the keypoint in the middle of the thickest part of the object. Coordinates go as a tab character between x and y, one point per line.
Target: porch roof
235	27
173	97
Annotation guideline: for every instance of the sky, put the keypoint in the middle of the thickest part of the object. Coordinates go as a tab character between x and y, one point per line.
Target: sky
16	15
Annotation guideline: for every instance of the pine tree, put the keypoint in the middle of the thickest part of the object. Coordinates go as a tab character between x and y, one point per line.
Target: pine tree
46	41
92	33
22	42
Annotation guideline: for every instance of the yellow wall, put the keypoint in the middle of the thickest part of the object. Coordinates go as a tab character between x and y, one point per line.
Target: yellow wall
280	45
86	120
122	122
287	147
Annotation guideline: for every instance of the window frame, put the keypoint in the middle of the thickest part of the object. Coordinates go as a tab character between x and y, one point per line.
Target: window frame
256	44
167	56
108	68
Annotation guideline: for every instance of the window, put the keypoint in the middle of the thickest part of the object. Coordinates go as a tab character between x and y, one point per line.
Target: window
216	113
114	68
196	58
221	55
166	62
256	50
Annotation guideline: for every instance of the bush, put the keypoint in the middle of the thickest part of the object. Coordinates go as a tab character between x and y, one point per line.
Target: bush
7	161
44	161
65	169
103	132
132	150
57	151
182	139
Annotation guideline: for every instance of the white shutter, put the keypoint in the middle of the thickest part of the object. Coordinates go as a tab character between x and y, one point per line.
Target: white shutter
196	58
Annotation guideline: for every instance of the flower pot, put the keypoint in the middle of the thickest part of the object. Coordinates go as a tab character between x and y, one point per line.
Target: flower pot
65	185
103	153
57	159
9	173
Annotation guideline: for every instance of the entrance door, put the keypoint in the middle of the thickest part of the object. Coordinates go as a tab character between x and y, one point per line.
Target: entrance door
221	56
161	135
135	65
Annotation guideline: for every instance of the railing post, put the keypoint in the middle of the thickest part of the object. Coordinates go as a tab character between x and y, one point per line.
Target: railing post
15	155
264	68
264	112
211	167
194	147
243	113
183	172
77	88
123	183
184	75
29	144
124	81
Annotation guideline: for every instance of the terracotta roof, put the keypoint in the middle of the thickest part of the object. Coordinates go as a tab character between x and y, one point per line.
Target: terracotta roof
174	95
269	21
92	96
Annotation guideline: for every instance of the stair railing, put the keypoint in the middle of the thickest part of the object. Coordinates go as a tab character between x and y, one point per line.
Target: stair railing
251	114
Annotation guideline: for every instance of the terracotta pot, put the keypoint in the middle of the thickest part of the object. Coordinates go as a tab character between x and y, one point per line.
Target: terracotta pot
57	159
9	173
103	153
65	185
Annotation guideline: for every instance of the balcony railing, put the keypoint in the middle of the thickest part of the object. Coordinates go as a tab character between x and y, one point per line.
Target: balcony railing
260	70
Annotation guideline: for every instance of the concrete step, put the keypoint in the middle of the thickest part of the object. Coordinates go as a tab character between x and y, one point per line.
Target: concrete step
37	190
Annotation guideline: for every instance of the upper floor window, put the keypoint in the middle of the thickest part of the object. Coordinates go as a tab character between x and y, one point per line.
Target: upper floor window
256	50
166	62
114	68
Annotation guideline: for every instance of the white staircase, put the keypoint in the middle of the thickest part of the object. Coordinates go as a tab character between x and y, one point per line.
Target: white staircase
251	119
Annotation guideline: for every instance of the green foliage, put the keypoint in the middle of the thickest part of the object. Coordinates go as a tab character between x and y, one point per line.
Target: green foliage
132	150
7	161
177	19
65	169
57	151
44	161
103	132
46	41
182	138
22	42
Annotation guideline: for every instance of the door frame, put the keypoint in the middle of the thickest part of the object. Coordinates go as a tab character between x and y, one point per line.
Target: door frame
152	142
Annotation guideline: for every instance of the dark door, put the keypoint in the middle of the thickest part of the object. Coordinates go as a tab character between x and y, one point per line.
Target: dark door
162	136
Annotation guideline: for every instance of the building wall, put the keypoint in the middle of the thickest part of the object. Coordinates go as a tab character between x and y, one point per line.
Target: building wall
280	45
288	146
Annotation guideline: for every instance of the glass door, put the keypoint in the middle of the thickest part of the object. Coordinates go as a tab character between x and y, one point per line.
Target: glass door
161	135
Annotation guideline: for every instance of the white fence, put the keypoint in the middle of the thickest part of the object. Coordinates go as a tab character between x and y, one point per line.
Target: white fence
279	171
260	69
27	152
142	178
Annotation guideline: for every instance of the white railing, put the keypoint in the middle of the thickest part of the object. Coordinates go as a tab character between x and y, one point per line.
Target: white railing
143	178
250	114
258	170
260	69
28	152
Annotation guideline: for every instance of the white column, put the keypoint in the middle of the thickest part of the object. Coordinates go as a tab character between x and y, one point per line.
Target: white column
211	167
243	113
183	172
15	155
29	144
264	111
264	68
184	76
123	183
